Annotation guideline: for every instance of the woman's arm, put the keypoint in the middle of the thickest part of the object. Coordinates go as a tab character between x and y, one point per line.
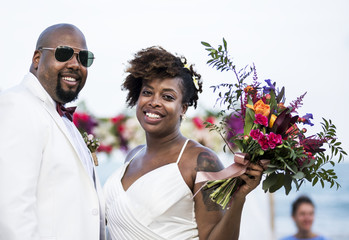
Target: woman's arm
213	222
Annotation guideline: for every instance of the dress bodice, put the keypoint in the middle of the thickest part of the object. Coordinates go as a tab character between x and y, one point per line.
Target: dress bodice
158	205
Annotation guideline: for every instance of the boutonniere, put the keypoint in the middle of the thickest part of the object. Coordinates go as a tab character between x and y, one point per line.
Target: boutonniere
92	144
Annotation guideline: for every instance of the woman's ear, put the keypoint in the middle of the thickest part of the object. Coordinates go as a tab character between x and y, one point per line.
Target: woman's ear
184	108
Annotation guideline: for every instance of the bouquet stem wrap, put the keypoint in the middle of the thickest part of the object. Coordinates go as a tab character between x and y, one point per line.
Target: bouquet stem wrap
236	169
226	181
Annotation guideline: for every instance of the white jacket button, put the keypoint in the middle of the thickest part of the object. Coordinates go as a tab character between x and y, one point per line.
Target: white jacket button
95	211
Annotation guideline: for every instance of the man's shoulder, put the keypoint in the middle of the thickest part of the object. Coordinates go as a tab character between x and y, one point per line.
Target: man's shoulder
17	97
289	238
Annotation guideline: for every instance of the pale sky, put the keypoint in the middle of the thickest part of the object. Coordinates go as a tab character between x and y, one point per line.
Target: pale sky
302	45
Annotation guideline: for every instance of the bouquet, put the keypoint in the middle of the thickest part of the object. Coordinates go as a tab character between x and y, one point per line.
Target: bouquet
268	130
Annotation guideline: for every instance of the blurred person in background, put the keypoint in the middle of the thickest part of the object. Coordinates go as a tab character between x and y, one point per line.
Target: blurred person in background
303	212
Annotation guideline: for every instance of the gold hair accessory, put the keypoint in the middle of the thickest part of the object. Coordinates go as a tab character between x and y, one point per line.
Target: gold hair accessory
196	82
195	79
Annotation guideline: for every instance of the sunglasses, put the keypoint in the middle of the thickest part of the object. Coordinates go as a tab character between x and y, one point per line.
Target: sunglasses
65	53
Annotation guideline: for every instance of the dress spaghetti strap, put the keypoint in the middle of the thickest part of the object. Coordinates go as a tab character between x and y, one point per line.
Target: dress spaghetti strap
180	154
136	154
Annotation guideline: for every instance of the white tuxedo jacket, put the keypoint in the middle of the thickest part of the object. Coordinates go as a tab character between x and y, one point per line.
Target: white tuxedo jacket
45	191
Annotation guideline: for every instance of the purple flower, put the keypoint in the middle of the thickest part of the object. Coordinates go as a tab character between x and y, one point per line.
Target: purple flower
262	120
307	118
267	89
256	134
236	124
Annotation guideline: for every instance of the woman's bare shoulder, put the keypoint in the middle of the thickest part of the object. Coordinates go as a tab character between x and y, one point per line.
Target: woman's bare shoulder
205	158
133	152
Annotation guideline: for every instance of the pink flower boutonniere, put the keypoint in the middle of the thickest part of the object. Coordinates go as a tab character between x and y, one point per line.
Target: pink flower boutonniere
92	144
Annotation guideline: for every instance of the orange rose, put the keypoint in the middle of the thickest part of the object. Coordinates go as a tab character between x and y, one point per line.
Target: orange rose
261	108
249	89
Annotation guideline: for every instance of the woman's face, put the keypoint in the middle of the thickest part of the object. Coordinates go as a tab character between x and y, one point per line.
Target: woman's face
304	217
159	106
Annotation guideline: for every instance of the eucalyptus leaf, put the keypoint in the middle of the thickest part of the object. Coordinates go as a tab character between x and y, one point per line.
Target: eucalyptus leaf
288	183
298	175
278	184
269	181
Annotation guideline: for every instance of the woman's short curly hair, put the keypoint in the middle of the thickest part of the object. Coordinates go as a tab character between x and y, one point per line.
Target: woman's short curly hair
156	62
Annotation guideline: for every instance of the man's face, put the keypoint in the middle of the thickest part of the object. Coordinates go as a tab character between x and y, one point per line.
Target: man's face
304	217
62	80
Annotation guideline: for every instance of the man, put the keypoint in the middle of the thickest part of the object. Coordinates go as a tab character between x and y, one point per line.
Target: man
303	212
48	185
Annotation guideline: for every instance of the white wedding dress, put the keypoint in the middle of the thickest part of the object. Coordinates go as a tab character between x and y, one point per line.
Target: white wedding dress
157	206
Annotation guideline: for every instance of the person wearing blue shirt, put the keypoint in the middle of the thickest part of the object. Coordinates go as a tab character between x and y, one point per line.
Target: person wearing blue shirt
303	211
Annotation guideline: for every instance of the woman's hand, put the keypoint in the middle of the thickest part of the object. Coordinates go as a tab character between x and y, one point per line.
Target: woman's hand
252	178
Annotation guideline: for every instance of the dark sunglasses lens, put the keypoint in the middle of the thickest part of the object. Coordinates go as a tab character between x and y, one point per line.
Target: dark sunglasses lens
63	54
86	58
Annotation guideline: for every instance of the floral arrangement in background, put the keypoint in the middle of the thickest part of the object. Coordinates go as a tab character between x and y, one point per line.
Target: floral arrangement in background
123	132
195	128
257	123
84	122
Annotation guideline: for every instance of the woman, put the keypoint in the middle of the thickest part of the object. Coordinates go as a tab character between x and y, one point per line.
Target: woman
303	211
151	196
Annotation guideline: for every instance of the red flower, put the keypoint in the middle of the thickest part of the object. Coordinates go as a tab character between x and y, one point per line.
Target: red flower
198	122
274	140
117	119
84	122
262	120
210	119
312	144
263	142
256	134
105	148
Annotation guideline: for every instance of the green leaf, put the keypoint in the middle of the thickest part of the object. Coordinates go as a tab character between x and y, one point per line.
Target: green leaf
288	183
279	183
206	44
273	103
269	181
298	175
270	170
249	119
281	95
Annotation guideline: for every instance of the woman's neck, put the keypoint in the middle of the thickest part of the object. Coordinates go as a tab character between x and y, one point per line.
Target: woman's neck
156	143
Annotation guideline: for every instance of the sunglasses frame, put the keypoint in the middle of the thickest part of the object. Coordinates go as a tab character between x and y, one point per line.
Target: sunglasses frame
74	52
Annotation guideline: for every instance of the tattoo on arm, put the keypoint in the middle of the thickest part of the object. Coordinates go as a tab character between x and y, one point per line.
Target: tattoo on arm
206	162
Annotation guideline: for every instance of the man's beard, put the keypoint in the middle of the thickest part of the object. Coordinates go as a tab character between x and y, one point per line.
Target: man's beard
66	96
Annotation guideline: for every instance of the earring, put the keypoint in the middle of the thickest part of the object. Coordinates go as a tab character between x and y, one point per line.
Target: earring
184	116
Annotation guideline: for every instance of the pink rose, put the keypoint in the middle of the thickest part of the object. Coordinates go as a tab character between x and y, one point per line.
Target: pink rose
274	140
262	120
263	142
256	134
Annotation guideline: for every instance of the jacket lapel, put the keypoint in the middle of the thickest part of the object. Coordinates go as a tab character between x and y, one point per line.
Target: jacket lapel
34	86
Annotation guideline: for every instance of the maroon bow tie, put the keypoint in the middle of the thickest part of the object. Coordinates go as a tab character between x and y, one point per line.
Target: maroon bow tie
68	112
